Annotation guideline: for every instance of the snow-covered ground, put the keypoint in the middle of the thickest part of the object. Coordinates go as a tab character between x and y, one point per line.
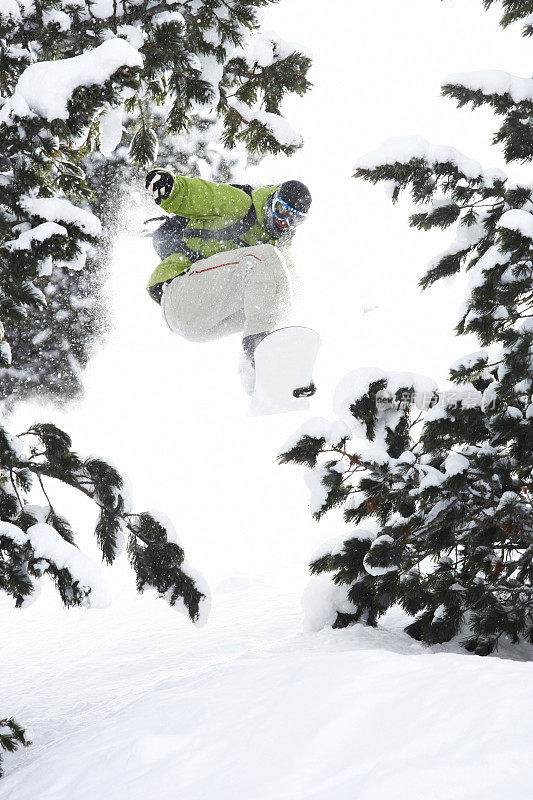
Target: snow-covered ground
134	702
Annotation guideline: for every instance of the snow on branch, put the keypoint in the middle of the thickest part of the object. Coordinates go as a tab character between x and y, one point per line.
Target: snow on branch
38	234
318	428
509	95
493	83
469	361
276	126
354	386
263	48
78	223
61	210
191	576
9	9
48	545
466	237
403	149
45	88
12	736
35	539
518	220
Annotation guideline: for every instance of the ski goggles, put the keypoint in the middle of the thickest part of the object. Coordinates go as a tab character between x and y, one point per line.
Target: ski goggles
286	215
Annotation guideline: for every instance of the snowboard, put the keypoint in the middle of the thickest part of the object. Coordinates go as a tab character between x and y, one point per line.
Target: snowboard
284	362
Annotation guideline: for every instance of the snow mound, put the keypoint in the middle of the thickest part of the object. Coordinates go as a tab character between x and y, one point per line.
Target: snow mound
322	600
129	707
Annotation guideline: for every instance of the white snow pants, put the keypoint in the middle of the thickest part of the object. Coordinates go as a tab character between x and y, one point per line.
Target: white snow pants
244	290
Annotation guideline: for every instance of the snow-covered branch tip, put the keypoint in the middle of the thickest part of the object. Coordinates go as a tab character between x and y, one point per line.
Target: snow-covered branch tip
515	11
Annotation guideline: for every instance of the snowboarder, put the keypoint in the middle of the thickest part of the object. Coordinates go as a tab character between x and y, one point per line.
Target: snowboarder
224	267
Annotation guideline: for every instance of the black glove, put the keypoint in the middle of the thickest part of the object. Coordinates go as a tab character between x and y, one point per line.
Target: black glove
160	183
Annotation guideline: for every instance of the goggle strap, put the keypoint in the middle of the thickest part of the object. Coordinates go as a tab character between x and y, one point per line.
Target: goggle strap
294	210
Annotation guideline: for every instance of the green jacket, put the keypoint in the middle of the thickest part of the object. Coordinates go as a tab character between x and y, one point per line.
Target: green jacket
211	206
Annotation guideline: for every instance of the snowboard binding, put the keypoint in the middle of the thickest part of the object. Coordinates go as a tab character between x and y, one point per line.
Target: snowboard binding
305	391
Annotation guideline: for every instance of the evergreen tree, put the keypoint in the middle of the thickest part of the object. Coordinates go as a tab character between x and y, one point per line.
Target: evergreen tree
205	54
37	540
54	344
52	106
451	498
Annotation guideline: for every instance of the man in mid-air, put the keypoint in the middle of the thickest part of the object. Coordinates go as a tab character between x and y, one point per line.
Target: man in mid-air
224	256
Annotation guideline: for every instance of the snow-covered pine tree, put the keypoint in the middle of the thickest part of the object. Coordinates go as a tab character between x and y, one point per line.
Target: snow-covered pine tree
198	57
54	344
197	54
373	481
452	536
52	107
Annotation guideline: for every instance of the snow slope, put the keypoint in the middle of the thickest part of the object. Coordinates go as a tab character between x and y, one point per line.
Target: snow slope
247	709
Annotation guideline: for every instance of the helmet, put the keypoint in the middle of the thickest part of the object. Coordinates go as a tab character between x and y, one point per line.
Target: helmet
287	208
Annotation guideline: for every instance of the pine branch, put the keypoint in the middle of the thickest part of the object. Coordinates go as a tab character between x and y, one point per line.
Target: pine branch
12	736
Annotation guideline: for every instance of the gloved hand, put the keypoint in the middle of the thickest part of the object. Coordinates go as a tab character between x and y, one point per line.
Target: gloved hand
160	183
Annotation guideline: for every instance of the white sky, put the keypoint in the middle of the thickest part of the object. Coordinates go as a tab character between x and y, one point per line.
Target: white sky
172	414
377	74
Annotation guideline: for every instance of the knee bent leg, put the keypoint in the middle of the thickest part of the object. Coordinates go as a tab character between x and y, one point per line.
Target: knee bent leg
268	265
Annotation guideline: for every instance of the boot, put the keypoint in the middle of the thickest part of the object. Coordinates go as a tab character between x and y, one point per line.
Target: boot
247	362
249	343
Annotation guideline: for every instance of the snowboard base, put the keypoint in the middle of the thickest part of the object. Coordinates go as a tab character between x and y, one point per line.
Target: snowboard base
284	362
